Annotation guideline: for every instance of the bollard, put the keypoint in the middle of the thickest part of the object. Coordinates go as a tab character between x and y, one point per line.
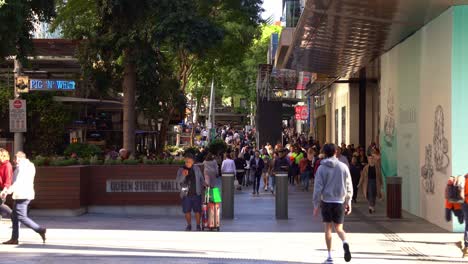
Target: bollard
394	197
227	193
281	198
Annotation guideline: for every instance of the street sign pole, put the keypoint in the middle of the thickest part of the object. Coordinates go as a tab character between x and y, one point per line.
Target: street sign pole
18	138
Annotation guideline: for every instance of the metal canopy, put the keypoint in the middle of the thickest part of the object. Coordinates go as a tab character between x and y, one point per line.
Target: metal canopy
338	37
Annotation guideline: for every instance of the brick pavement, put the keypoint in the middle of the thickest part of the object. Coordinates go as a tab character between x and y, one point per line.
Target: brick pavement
254	236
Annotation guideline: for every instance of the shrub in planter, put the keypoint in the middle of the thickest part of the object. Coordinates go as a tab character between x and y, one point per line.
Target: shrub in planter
84	161
94	160
131	162
113	162
62	162
217	147
174	150
82	150
179	162
40	161
194	151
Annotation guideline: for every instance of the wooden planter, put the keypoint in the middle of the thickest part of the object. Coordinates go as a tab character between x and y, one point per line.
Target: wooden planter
77	187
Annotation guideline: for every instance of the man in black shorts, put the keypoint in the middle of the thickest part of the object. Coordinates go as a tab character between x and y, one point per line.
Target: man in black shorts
333	192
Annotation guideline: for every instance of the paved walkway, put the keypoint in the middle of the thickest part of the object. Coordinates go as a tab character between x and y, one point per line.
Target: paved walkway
254	236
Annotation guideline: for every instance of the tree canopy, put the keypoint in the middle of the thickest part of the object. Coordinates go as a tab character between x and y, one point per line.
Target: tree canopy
147	45
17	21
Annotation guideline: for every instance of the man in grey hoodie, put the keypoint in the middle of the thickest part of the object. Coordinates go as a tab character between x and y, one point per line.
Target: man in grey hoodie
333	192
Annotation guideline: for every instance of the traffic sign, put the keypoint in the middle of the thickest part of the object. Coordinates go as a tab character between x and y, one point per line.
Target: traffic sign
18	116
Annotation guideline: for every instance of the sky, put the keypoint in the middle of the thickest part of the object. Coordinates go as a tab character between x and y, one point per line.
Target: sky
272	7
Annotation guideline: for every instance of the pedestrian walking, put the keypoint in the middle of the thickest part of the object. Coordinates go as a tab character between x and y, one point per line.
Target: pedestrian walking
371	183
6	176
257	166
305	166
211	171
228	166
463	245
341	157
355	169
333	191
271	172
23	193
191	182
241	165
266	169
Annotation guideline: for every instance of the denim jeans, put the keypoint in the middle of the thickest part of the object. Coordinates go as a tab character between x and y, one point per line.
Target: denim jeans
272	182
20	214
256	184
5	211
465	213
372	192
305	178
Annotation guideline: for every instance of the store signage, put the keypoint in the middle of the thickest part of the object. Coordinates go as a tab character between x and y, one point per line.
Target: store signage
51	85
305	78
22	84
18	116
302	113
141	186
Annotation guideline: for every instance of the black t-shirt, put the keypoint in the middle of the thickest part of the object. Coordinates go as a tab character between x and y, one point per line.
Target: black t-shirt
371	174
191	180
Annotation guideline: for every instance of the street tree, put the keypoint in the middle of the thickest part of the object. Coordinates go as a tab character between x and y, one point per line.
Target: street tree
122	39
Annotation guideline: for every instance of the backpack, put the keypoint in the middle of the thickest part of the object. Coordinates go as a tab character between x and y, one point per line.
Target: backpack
455	190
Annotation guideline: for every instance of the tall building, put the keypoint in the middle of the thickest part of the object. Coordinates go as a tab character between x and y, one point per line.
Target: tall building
42	31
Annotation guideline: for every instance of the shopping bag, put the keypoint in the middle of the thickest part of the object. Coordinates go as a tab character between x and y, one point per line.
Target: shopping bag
215	195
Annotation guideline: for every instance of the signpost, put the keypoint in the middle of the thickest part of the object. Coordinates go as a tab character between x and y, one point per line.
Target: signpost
18	116
18	107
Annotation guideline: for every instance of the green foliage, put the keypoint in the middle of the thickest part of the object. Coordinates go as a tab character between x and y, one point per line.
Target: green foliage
6	93
40	161
217	147
82	150
94	160
240	79
192	150
47	121
17	20
113	162
131	162
62	162
84	161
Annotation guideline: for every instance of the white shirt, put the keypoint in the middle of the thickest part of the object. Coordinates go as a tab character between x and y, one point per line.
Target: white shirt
23	181
204	133
228	166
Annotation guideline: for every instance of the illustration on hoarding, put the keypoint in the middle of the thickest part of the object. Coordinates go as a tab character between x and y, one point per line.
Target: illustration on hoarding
389	125
427	172
441	158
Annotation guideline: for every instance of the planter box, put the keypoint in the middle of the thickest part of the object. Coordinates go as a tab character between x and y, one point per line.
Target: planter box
78	187
60	187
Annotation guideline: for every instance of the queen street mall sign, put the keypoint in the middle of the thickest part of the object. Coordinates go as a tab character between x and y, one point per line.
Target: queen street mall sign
141	186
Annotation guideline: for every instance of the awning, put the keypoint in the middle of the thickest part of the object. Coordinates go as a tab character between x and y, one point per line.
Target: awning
338	37
84	100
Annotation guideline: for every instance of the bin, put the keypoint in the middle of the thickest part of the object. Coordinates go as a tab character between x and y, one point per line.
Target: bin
394	197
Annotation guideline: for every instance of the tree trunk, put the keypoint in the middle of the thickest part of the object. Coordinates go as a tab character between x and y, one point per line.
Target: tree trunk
162	136
129	87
